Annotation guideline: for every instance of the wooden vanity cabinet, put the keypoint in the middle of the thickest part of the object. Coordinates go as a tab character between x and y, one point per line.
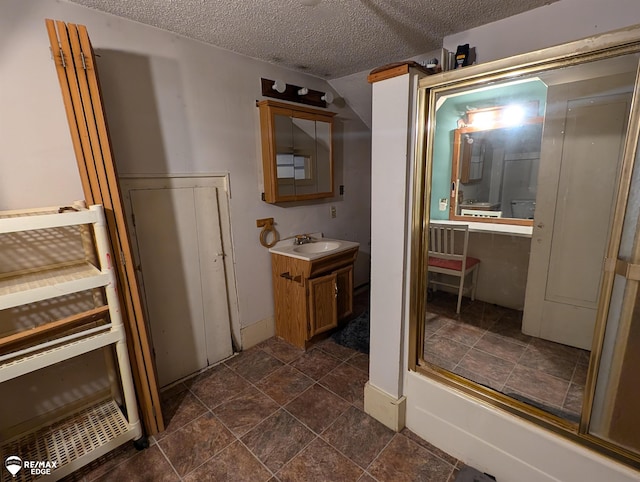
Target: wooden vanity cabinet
311	297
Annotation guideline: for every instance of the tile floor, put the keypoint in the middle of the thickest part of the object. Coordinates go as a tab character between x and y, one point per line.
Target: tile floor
276	413
485	344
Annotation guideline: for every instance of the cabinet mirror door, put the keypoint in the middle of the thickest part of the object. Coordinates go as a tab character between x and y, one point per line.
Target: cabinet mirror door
297	153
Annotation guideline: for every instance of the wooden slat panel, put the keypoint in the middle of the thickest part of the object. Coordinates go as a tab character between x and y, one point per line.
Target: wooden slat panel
83	102
140	342
74	127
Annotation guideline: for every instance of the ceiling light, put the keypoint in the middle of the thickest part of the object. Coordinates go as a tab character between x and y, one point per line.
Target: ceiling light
328	97
279	86
303	91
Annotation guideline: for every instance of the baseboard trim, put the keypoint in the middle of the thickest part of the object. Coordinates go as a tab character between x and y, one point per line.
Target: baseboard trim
257	332
385	408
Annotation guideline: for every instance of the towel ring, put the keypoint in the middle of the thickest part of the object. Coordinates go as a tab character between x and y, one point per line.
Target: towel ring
267	228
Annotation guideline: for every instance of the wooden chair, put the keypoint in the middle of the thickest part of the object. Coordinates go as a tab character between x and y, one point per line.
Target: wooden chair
448	245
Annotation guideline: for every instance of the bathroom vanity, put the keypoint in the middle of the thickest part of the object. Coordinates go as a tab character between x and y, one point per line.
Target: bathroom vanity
312	287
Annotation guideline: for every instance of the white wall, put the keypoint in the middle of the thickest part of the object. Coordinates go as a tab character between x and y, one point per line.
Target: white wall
174	106
554	24
492	440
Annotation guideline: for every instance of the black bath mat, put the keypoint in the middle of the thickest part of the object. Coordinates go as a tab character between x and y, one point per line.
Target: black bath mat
469	474
354	334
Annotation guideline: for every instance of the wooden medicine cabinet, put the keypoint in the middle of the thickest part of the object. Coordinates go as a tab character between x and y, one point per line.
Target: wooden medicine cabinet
297	152
495	163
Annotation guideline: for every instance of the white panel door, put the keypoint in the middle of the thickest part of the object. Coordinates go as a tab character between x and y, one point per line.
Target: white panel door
580	160
177	232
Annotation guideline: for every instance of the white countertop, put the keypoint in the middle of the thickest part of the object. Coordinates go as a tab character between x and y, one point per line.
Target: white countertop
287	247
512	229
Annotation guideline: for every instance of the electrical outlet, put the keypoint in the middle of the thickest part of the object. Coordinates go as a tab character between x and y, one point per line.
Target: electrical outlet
333	212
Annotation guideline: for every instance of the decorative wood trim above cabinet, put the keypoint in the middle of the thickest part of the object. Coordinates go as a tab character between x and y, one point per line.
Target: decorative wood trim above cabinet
310	172
396	69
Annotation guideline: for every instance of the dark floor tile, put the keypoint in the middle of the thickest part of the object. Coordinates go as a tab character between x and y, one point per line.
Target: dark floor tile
366	478
245	411
254	364
196	442
584	357
360	361
434	323
479	378
490	366
439	362
556	349
319	462
500	347
573	400
539	385
347	382
173	390
403	460
284	384
358	436
233	464
454	475
180	410
316	363
510	327
146	466
483	315
462	333
558	366
536	402
580	374
218	385
278	439
445	348
334	349
280	349
317	408
430	447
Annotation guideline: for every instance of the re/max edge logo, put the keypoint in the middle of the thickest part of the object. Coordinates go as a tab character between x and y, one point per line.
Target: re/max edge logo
14	464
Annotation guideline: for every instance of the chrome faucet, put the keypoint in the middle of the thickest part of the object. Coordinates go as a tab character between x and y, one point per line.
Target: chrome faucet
302	239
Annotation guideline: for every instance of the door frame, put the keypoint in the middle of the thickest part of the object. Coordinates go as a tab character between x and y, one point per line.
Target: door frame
130	182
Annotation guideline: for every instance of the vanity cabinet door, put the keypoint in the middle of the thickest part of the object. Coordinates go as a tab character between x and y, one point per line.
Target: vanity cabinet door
344	280
322	297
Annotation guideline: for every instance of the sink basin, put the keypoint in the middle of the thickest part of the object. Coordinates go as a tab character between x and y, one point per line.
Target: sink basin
317	247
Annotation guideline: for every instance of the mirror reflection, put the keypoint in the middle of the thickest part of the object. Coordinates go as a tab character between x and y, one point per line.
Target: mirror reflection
537	198
496	170
303	162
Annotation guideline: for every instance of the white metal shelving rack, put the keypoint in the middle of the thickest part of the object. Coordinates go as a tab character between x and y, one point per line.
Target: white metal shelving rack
94	430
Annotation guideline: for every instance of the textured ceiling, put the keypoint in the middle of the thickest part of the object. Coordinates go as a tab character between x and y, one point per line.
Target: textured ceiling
325	38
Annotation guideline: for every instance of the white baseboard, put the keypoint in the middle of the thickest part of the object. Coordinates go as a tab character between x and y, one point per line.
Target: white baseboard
257	332
385	408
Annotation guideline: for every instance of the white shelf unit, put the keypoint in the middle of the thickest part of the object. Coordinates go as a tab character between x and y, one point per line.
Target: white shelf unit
93	430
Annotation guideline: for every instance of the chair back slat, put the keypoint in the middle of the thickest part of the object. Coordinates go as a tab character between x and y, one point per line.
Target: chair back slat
442	240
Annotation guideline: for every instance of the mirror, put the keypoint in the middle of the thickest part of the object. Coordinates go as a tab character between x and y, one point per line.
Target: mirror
296	152
493	135
496	170
548	327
